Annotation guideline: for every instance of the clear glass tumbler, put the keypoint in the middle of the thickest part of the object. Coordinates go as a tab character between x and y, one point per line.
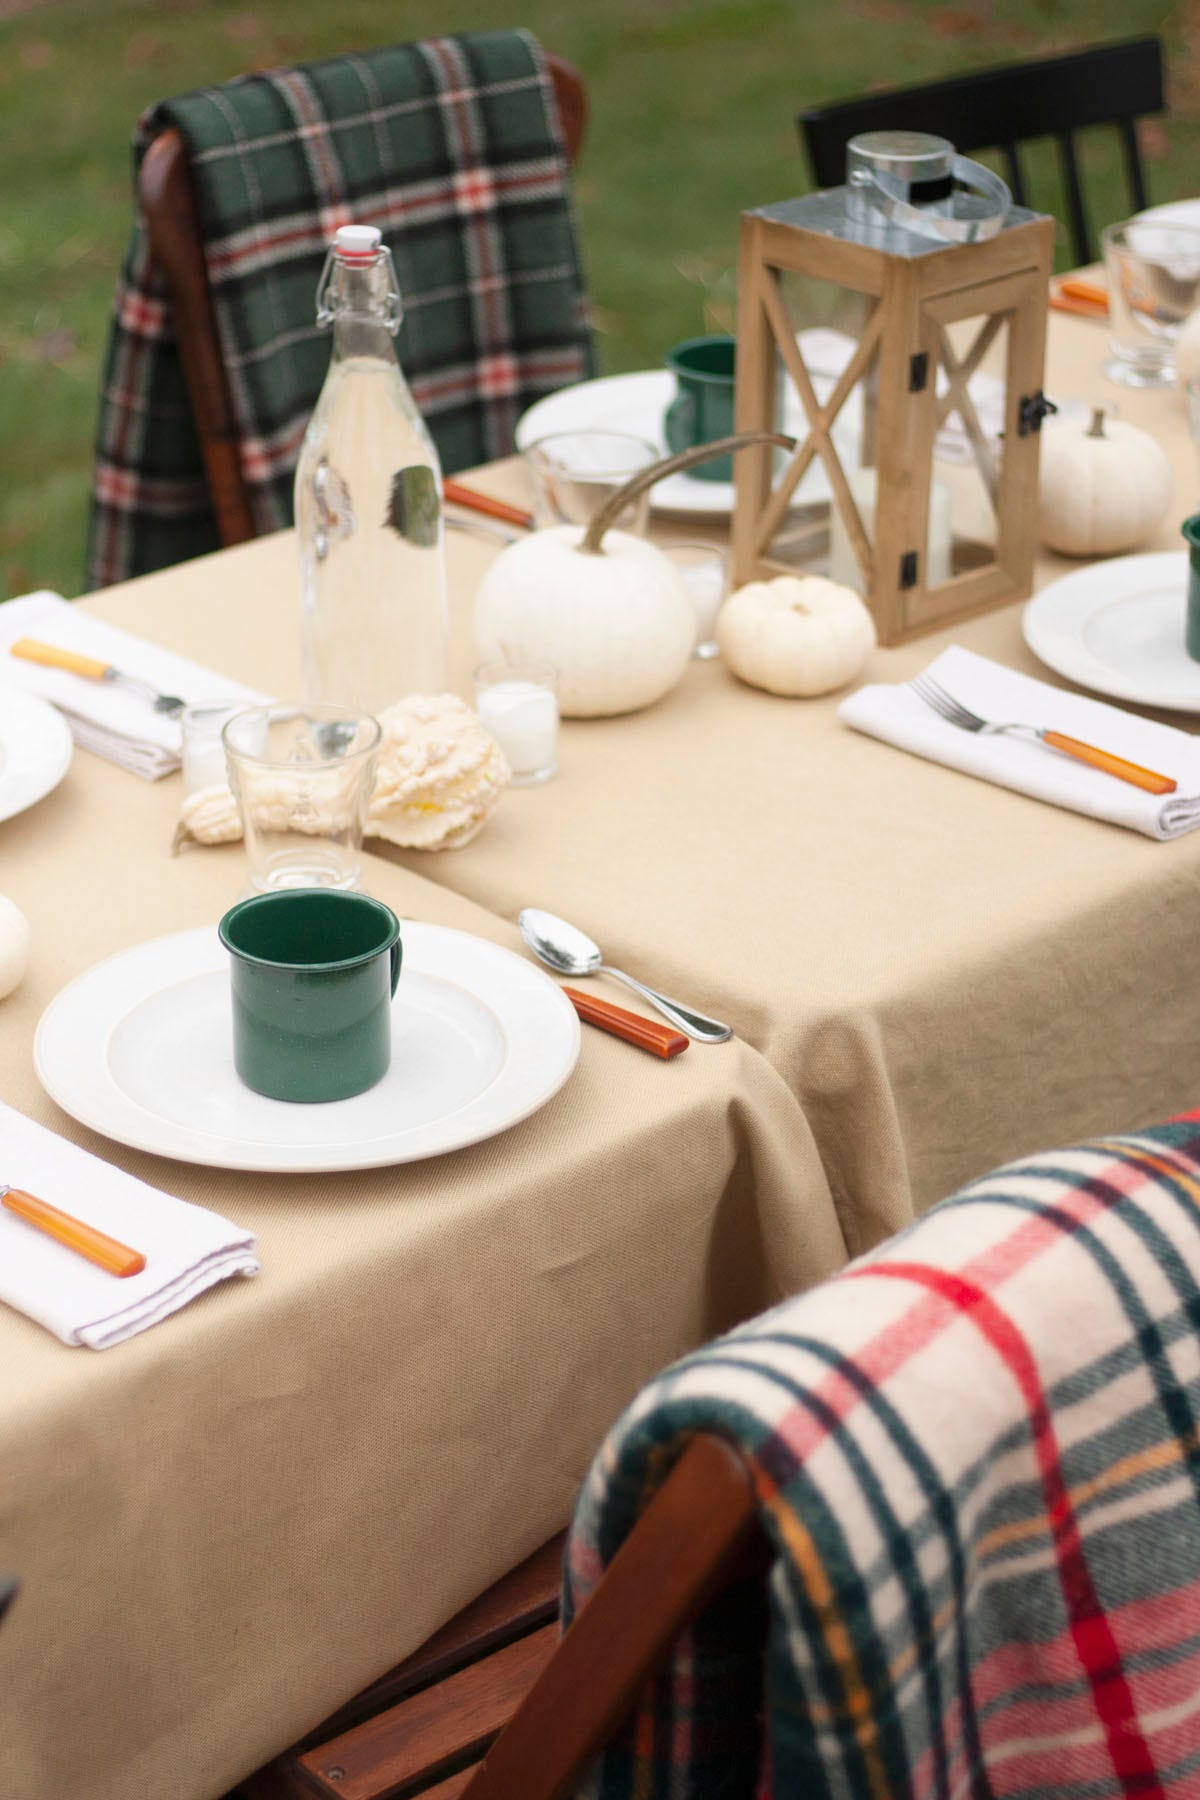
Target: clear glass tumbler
302	777
573	473
1153	275
705	570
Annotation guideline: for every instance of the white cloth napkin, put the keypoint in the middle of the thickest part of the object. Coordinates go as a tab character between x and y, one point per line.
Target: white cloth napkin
187	1248
1001	695
113	720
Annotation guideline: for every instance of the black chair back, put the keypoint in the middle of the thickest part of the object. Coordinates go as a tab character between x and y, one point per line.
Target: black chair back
998	109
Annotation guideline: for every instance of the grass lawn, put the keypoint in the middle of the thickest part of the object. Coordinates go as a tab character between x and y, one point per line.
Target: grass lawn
692	119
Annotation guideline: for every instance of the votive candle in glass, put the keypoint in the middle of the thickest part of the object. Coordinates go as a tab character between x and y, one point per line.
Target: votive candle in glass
518	704
203	751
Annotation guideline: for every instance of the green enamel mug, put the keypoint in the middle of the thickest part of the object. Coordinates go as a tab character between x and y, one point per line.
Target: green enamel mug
313	971
702	409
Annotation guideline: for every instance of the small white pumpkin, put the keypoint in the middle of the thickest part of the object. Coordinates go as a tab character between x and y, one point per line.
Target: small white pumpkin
1104	487
1187	349
795	635
607	610
617	625
14	945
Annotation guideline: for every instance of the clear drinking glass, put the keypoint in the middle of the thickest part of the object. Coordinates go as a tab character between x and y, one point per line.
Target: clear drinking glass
705	570
573	473
1153	284
518	704
302	777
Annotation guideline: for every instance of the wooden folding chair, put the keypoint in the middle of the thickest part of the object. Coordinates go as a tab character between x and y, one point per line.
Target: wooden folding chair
168	203
498	1684
1056	96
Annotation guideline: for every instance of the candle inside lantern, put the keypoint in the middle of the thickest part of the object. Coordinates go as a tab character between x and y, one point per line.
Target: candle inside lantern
518	706
843	564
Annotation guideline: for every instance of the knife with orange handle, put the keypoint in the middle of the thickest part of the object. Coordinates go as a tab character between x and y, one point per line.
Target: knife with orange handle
660	1040
106	1252
459	495
1112	765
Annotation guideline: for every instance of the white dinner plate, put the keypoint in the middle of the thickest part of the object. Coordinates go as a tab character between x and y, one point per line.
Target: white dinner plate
636	403
35	750
140	1048
1117	627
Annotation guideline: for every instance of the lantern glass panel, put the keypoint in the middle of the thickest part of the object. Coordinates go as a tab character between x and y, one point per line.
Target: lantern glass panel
826	358
968	447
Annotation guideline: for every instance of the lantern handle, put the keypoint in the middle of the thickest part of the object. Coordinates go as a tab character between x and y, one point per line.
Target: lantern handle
890	194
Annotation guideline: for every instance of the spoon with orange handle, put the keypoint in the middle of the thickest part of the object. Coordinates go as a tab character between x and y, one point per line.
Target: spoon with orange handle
53	656
106	1252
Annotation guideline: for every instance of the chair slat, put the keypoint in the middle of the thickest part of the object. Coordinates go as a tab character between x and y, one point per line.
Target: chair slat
432	1733
1081	243
1016	177
1133	162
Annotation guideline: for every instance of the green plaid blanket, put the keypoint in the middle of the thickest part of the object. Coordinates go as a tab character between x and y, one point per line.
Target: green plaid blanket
977	1454
452	147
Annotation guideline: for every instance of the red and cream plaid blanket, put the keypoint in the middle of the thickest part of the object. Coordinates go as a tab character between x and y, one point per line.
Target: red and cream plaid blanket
977	1453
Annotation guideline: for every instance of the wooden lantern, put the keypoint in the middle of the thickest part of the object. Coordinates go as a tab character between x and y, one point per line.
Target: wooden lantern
896	328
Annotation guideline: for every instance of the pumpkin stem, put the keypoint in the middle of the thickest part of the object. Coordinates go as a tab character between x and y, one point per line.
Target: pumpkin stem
1096	428
671	465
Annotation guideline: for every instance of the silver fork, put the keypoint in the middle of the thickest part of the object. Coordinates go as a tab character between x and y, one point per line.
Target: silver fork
935	696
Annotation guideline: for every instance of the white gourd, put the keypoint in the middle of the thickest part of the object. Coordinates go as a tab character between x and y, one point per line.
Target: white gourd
14	945
1104	487
1187	349
617	625
795	636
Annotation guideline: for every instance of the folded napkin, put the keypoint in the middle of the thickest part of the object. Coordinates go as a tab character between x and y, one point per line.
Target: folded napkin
896	715
112	720
187	1249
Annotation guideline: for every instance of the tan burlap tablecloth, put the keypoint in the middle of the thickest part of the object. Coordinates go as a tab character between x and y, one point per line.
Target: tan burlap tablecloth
945	973
228	1524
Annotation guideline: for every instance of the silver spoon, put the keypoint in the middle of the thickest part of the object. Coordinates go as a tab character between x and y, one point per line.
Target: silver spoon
569	951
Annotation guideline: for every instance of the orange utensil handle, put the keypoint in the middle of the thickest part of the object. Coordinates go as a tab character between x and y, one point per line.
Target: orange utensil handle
1083	309
1089	291
459	495
117	1258
56	658
659	1039
1112	765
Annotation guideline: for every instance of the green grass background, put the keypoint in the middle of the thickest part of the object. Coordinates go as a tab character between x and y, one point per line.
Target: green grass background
692	114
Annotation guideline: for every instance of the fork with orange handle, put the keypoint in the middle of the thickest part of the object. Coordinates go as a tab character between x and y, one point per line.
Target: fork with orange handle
106	1252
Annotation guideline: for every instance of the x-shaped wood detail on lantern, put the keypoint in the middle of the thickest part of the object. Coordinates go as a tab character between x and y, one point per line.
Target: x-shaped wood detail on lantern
958	399
820	422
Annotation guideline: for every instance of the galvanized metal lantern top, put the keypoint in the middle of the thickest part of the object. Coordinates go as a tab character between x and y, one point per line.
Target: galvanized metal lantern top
908	193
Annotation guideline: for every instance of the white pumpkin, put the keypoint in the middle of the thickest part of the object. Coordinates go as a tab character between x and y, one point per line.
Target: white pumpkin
14	945
794	635
1104	487
1187	349
617	625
